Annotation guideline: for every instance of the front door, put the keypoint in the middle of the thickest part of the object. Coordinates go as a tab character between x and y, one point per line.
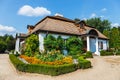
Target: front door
92	45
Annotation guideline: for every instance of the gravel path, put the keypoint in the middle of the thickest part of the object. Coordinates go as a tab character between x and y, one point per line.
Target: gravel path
104	68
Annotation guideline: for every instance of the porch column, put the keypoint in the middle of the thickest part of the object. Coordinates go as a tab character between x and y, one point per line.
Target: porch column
97	50
17	46
107	42
88	43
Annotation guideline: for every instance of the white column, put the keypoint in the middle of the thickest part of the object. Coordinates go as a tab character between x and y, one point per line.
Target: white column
41	41
97	50
88	43
107	42
17	45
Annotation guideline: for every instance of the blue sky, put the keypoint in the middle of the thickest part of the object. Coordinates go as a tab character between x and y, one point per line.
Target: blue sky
15	15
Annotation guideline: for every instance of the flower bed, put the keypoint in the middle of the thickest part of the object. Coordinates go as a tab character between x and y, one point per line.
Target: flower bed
33	60
42	68
48	68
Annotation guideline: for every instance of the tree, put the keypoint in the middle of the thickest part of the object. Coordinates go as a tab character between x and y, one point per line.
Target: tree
115	38
2	46
99	24
7	42
10	42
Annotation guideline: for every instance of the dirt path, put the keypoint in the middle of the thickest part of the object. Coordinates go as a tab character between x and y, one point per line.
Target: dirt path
103	69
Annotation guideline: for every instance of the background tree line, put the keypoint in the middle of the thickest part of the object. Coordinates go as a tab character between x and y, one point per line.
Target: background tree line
7	42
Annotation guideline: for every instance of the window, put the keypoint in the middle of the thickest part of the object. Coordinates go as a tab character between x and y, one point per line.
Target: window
100	44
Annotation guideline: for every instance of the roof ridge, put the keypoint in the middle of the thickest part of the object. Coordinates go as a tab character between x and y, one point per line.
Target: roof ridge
56	17
62	18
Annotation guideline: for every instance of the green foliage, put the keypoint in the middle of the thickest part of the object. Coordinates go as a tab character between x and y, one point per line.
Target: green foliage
105	53
31	45
83	63
51	56
114	37
60	43
118	52
88	54
7	42
52	43
42	69
74	45
2	46
99	24
16	62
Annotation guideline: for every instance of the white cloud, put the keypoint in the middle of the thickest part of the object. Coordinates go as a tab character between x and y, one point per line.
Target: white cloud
104	9
7	28
27	10
93	15
115	24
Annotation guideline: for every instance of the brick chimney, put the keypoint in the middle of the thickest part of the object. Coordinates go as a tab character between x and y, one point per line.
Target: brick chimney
30	28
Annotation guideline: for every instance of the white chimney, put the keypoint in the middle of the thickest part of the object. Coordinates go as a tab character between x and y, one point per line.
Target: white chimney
57	14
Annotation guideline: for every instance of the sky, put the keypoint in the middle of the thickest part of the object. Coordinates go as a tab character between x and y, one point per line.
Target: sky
15	15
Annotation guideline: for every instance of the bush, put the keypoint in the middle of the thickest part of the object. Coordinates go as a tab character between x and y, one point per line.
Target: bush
42	68
118	53
105	53
74	45
31	45
88	54
83	63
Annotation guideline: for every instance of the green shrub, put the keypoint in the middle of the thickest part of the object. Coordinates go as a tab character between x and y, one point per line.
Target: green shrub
78	55
105	53
74	45
83	63
31	45
88	54
118	53
42	68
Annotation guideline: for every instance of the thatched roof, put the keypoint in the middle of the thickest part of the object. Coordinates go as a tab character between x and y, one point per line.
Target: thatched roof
63	25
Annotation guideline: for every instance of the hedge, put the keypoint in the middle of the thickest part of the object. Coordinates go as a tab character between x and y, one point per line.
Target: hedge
83	63
40	68
105	53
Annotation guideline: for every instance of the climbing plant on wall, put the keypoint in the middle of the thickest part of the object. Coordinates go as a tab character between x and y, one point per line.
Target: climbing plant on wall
31	45
52	43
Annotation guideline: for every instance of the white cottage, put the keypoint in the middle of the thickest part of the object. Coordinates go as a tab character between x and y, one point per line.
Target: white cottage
94	40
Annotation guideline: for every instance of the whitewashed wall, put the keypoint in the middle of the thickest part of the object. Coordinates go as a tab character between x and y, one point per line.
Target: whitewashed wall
105	44
41	41
43	35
